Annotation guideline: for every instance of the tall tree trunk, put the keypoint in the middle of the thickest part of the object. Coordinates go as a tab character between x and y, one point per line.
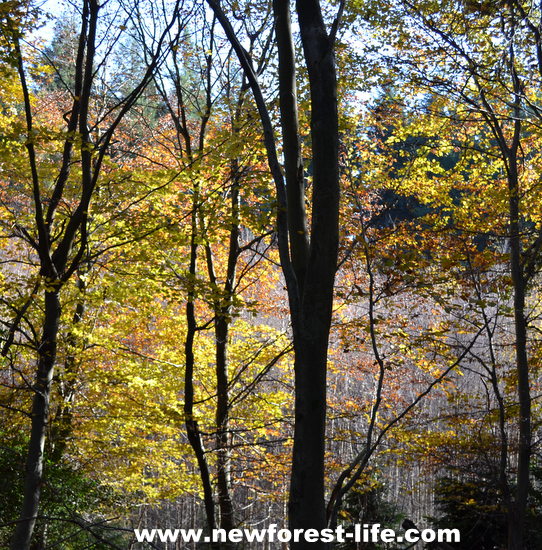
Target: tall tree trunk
40	416
222	327
223	460
222	306
518	505
310	286
192	428
312	322
517	515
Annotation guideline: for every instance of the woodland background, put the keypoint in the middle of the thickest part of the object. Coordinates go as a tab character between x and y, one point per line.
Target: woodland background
146	305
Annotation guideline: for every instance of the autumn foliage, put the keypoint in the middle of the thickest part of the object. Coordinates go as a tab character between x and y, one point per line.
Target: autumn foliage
151	372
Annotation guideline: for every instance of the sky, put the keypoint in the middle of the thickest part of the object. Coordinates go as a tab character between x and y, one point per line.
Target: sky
50	10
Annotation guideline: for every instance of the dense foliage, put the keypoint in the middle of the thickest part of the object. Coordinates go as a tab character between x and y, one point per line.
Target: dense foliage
162	205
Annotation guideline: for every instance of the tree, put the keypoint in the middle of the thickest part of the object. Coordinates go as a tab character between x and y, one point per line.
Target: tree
457	57
308	257
220	176
140	271
60	237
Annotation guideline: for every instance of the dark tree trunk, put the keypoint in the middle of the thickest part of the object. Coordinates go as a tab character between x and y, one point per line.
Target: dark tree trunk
511	152
192	428
222	424
40	416
520	273
313	320
291	142
193	431
60	258
62	422
309	270
222	328
517	515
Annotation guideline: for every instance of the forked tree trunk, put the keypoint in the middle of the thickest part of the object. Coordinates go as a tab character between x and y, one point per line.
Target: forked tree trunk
309	279
313	320
59	258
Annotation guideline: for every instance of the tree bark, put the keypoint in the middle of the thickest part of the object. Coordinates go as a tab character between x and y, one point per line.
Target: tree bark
62	422
518	509
223	459
40	415
310	279
222	328
291	141
192	428
312	322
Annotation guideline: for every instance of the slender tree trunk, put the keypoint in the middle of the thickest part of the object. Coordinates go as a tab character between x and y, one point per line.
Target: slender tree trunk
40	416
192	428
291	141
517	516
510	150
222	308
223	460
492	370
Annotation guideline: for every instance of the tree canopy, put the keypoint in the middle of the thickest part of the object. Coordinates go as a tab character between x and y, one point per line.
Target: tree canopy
269	262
